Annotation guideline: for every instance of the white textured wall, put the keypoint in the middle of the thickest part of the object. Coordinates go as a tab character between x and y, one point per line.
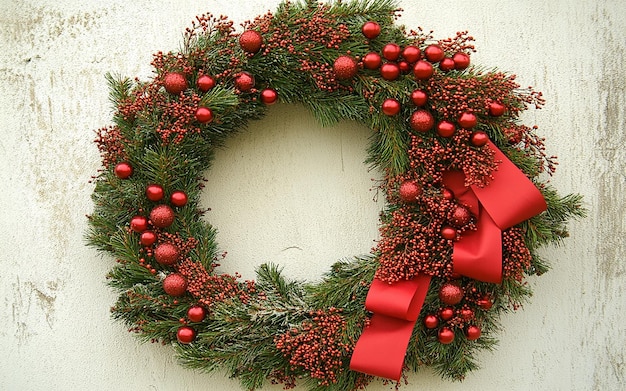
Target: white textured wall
295	193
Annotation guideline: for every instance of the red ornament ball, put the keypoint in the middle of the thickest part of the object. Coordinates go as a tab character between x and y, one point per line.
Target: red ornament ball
422	121
419	98
185	335
479	138
204	115
372	60
445	129
446	313
423	70
461	61
409	191
467	314
404	66
445	335
391	51
123	170
485	303
447	64
411	53
447	194
147	238
166	254
250	41
496	109
244	81
196	313
431	321
390	71
448	233
434	53
472	333
205	83
139	223
370	29
460	216
269	96
175	83
467	120
450	294
178	198
345	67
175	285
162	216
155	192
391	107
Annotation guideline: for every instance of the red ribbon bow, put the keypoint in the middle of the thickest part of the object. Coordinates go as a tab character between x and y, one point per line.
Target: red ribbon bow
509	199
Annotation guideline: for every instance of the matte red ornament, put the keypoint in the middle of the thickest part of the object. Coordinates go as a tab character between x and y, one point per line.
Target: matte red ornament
431	321
175	83
345	67
204	115
250	41
461	61
446	313
185	334
422	121
391	107
155	192
448	233
391	51
244	81
166	254
123	170
175	285
390	71
445	336
446	129
178	198
162	216
139	223
372	60
447	64
196	313
496	109
450	294
467	120
370	29
409	191
411	53
447	194
269	96
205	83
460	216
472	333
423	70
434	53
419	98
467	314
147	238
479	138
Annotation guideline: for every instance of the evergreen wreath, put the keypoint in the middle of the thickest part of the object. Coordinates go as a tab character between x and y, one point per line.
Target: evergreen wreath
430	112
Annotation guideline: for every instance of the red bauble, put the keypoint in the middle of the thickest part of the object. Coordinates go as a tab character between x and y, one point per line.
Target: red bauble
431	322
269	96
446	313
155	192
166	254
391	107
178	198
467	314
411	53
404	66
185	334
175	285
370	29
479	138
467	120
496	109
372	60
445	335
450	294
485	303
175	83
419	98
434	53
390	71
447	194
162	216
472	333
423	70
460	216
204	115
147	238
244	81
139	223
391	51
461	61
345	67
123	170
409	191
196	313
445	129
250	41
448	233
447	64
422	121
205	83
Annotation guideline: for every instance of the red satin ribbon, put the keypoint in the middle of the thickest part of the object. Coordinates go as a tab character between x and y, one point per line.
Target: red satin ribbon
508	200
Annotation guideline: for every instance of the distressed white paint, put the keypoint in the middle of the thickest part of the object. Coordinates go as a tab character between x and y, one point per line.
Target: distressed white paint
300	198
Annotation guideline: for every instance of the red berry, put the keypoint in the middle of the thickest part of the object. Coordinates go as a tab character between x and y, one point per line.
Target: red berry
123	170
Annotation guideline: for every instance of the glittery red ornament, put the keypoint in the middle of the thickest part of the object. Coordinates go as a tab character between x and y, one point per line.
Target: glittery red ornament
472	333
467	120
391	51
372	60
479	138
166	254
139	223
461	61
448	233
155	192
345	67
450	294
250	41
445	335
175	83
244	81
446	313
447	194
460	216
147	238
423	70
422	121
123	170
496	109
162	216
269	96
434	53
178	198
445	129
431	322
419	98
185	334
175	285
467	314
391	107
447	64
196	313
205	83
409	191
411	53
370	29
390	71
204	115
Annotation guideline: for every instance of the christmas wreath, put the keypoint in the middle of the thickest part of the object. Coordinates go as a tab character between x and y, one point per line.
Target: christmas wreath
465	212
